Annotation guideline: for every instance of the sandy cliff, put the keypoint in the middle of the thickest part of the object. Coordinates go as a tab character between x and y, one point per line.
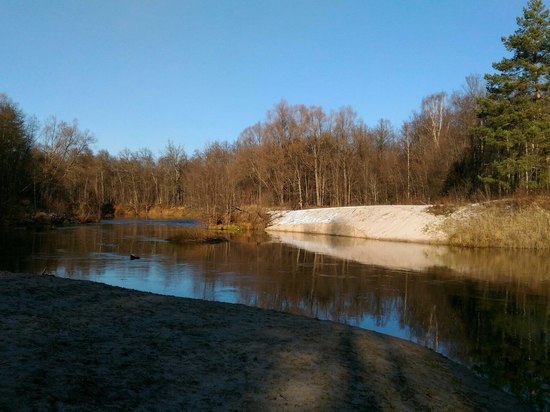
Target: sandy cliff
403	223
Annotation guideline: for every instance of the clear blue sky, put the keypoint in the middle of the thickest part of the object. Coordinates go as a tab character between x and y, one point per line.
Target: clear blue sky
138	73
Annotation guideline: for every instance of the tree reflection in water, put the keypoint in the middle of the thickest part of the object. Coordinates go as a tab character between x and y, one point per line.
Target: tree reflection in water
487	309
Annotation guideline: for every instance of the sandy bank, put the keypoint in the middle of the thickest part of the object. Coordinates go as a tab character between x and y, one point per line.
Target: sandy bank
69	344
403	223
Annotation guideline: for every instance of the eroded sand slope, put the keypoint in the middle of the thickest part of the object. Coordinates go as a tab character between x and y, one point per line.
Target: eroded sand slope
404	223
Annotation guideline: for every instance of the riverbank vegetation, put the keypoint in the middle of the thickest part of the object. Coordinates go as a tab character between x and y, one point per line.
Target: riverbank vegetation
482	142
523	224
190	235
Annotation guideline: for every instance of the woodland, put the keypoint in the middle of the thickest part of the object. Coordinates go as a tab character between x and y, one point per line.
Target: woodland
488	140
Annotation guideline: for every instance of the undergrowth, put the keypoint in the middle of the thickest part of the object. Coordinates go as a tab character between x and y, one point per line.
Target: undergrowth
506	224
196	235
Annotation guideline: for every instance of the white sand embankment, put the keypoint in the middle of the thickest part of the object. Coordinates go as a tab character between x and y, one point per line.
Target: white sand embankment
404	223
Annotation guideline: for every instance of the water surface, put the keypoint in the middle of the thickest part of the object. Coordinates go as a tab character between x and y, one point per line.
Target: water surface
488	309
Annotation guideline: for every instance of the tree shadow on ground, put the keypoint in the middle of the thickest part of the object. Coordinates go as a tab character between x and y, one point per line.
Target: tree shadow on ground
71	344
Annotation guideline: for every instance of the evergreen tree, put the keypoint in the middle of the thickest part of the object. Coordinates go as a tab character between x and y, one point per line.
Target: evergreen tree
15	156
515	114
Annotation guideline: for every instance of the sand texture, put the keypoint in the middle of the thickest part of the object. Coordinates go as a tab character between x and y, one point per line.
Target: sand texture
76	345
403	223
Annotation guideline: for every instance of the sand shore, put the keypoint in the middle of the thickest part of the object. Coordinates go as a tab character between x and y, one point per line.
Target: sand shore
404	223
76	345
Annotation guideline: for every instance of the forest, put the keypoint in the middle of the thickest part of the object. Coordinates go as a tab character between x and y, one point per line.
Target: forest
488	140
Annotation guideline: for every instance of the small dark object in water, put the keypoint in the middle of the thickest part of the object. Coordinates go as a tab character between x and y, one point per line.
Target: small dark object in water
133	257
214	240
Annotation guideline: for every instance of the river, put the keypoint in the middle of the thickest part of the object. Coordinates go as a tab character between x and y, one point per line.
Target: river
487	309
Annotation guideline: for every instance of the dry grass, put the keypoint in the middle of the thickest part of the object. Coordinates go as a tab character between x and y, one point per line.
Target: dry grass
231	228
507	224
196	235
157	212
442	209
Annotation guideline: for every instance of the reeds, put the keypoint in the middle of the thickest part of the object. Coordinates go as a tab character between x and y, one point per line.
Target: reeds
501	225
196	235
157	212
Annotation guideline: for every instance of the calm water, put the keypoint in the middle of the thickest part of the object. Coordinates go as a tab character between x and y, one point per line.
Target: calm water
488	309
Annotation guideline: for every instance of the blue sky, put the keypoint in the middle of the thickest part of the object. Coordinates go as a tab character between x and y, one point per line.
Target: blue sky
138	73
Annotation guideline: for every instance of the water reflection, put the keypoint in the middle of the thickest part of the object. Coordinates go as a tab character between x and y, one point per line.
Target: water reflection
487	264
487	309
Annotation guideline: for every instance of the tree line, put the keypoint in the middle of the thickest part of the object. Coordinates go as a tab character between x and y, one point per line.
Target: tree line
486	140
297	157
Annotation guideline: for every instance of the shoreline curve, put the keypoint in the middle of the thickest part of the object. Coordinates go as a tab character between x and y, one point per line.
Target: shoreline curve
71	344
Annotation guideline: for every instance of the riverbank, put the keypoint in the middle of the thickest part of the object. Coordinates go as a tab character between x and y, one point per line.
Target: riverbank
69	344
515	224
403	223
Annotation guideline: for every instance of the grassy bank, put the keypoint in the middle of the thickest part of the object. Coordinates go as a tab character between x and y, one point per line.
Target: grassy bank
157	212
244	217
196	235
517	224
249	217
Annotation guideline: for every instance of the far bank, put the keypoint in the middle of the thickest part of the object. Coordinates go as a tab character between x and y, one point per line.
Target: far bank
510	224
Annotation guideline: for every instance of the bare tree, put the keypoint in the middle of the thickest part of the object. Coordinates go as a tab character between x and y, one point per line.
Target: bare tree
433	107
172	163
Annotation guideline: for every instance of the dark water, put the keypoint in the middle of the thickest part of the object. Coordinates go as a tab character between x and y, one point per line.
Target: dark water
488	309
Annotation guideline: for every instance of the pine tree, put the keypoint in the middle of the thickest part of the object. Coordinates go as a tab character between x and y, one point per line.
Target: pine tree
515	113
